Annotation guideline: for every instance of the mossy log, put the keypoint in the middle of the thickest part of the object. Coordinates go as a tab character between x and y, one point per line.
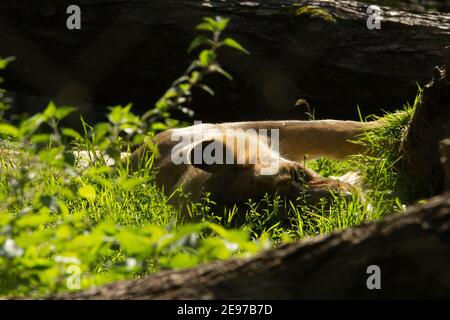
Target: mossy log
130	51
412	251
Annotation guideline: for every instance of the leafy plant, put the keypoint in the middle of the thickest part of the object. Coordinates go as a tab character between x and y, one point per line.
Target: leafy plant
3	100
70	207
72	215
179	95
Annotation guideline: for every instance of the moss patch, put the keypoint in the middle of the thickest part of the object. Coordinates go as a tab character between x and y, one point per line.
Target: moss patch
309	11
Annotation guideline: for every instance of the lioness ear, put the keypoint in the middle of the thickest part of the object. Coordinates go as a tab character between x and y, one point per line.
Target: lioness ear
212	156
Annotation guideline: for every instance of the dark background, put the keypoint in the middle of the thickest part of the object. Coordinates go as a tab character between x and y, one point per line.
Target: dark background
130	51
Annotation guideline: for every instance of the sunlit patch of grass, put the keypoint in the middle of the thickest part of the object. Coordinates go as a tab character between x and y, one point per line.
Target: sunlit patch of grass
382	168
59	214
118	224
114	224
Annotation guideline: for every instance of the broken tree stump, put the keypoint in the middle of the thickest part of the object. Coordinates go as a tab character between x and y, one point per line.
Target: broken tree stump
429	125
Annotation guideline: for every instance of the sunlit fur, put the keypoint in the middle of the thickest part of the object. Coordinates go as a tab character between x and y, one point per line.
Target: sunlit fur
236	183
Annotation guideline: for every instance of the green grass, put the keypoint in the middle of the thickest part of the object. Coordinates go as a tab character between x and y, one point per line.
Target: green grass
117	224
65	227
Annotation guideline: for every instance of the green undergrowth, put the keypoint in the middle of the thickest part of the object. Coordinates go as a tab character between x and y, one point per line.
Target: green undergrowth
64	226
386	185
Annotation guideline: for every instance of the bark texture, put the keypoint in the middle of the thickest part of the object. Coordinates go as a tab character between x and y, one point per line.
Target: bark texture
429	125
130	51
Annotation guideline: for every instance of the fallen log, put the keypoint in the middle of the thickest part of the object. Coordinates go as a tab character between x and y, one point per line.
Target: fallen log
412	251
130	51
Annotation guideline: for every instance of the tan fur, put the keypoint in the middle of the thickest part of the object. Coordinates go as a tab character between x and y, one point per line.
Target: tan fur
313	139
230	184
85	158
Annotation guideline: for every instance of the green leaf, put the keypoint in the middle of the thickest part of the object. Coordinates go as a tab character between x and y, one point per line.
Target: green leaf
32	124
134	244
205	26
195	77
206	88
101	130
210	21
34	220
119	114
63	112
4	62
48	273
213	248
85	242
68	132
88	192
5	219
171	93
129	183
180	80
36	263
236	236
108	228
116	115
221	23
41	138
153	232
50	111
182	261
234	44
178	238
128	128
64	232
158	126
53	156
63	209
27	239
8	130
217	68
200	40
206	57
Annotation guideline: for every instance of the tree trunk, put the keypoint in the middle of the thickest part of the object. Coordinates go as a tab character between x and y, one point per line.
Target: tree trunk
130	51
429	125
412	251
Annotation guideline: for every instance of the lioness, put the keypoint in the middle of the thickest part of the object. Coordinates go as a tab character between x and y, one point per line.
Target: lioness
243	177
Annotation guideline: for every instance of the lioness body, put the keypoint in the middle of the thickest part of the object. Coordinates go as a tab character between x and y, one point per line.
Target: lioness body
236	183
298	139
313	139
